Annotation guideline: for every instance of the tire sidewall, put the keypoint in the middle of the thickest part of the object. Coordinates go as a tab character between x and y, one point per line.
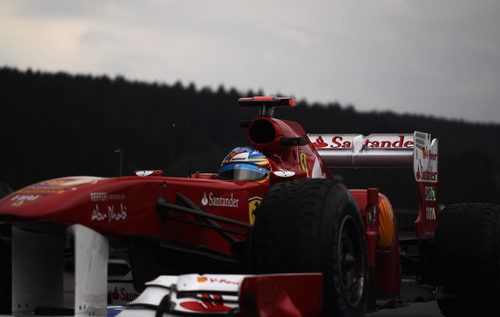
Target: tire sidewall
337	207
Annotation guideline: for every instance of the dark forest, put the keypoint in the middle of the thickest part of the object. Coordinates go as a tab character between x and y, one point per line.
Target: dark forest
57	124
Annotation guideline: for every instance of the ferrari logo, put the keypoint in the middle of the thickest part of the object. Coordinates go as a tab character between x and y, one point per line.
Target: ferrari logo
303	161
253	204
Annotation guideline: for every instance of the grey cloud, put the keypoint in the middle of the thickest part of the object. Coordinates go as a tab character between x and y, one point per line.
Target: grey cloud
408	56
57	8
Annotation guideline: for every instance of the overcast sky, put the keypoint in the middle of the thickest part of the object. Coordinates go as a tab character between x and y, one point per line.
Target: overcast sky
438	58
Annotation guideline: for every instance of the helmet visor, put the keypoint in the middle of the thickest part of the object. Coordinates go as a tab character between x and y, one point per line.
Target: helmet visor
243	172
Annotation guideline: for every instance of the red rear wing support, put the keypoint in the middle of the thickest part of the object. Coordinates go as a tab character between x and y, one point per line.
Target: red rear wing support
415	150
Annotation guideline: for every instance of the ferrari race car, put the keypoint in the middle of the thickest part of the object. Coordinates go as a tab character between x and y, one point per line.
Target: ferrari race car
271	234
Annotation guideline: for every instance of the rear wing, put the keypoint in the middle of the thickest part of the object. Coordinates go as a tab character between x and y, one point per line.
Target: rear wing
404	150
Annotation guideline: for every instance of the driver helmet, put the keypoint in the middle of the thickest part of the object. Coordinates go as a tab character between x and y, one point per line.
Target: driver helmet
245	164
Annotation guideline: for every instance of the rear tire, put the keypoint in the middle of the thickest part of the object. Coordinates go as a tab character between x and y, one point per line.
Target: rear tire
315	226
467	258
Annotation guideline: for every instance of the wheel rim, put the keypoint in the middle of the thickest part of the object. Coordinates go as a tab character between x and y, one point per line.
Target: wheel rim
351	262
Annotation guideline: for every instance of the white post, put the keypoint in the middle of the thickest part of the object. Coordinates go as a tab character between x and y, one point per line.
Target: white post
91	271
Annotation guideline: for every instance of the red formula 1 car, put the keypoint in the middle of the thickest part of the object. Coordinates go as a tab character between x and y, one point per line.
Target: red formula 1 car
274	207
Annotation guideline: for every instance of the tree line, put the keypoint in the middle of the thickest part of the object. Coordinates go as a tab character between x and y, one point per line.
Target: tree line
58	124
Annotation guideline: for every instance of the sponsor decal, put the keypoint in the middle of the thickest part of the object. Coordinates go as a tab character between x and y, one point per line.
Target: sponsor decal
123	295
96	215
371	217
24	197
429	176
425	175
204	200
319	143
222	281
400	143
103	197
57	186
208	303
66	182
203	279
41	191
238	156
18	200
430	213
430	193
428	154
97	197
284	173
253	204
211	200
375	142
111	214
338	142
144	173
303	161
119	215
116	196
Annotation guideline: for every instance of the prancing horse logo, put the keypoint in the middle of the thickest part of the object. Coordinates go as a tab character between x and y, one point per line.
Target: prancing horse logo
253	204
303	161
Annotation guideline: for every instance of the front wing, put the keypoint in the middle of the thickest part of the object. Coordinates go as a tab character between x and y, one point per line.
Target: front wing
241	295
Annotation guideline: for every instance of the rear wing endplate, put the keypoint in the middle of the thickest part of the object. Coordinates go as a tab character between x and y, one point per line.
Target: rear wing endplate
405	150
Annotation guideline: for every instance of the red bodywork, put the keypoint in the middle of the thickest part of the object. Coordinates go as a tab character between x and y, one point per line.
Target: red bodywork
125	206
282	295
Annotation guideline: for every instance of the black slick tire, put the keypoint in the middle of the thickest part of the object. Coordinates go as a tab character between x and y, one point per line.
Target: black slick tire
314	225
467	258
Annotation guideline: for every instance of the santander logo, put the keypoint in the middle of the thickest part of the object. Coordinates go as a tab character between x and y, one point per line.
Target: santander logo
204	199
219	201
375	142
123	295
